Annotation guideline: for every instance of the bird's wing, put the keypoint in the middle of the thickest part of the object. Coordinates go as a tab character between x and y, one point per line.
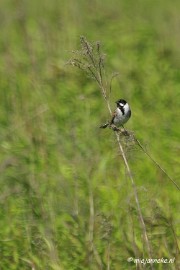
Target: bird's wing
113	116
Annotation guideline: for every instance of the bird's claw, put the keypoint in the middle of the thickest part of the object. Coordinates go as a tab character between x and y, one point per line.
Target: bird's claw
122	130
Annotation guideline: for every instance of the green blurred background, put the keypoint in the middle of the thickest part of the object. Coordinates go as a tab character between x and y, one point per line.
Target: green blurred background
66	201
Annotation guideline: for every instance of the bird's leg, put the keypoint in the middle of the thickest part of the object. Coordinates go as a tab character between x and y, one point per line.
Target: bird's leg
122	130
114	128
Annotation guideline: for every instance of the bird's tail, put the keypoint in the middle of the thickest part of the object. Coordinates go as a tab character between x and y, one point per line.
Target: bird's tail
104	125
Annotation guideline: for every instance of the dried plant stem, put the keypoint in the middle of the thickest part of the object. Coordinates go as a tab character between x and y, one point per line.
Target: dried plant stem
145	236
155	162
135	196
134	190
93	66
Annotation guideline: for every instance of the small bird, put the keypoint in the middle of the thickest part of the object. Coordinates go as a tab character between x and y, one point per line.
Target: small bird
120	116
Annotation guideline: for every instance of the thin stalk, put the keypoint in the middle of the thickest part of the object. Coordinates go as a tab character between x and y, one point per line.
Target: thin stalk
136	197
96	72
156	163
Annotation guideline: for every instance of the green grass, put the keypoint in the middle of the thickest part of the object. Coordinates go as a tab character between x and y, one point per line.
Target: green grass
56	165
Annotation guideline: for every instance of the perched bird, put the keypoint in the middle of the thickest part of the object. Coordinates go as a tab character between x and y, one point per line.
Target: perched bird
120	116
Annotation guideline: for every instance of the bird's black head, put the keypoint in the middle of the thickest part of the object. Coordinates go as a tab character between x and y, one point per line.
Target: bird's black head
120	103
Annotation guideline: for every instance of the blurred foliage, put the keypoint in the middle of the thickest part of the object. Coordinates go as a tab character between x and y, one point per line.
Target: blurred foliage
66	201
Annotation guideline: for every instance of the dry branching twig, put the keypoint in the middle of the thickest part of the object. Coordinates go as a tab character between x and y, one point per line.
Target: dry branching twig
155	162
91	60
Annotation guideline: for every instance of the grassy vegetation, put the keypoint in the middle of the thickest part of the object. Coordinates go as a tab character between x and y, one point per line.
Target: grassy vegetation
66	200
